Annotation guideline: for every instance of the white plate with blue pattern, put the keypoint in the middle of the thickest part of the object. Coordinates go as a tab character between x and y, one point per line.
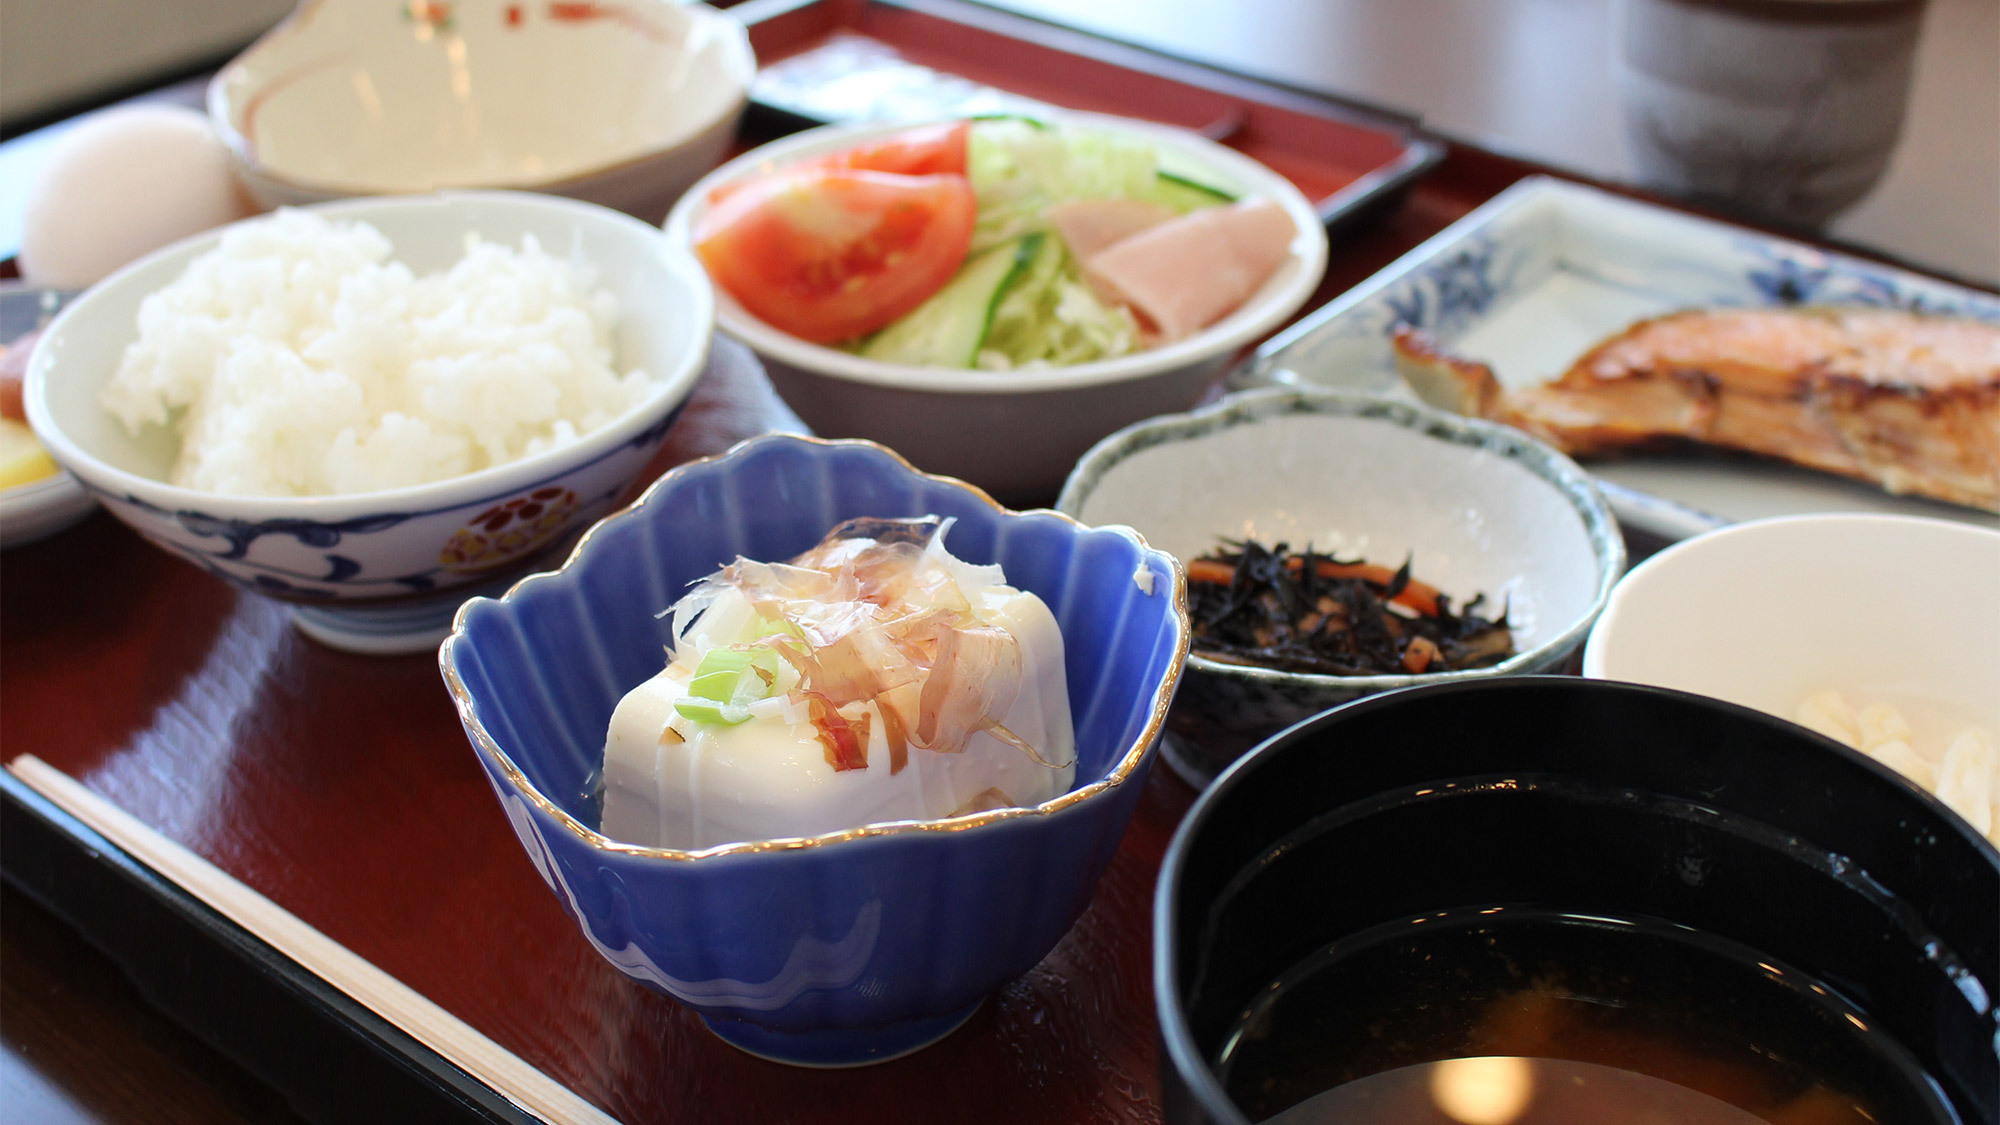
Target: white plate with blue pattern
1548	268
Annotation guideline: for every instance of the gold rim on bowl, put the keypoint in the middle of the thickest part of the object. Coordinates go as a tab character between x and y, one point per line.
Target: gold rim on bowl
1120	773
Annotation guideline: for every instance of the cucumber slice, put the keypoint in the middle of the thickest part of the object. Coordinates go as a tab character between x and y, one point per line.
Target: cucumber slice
1184	194
947	329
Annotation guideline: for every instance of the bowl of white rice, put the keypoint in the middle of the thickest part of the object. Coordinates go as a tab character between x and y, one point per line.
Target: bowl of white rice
375	408
1880	631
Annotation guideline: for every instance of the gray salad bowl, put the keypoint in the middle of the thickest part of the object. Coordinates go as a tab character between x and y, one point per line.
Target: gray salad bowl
1475	507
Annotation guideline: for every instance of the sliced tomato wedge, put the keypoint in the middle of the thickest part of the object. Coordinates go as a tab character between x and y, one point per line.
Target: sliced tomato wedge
830	255
929	151
932	150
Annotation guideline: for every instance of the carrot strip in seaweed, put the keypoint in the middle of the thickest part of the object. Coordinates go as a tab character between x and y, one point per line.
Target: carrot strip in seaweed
1311	612
1419	596
1209	570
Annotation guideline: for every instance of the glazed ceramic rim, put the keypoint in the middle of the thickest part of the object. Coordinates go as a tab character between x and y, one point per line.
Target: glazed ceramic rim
1250	408
221	114
36	491
1688	551
1223	338
1177	1037
671	388
1120	773
56	501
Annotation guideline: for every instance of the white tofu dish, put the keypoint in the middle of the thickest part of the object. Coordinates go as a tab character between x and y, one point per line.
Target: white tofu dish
874	678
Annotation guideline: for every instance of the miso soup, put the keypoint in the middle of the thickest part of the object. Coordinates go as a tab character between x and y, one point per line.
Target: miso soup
1519	1016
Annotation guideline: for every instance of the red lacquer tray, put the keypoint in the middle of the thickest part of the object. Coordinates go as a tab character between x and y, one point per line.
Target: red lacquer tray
341	789
823	60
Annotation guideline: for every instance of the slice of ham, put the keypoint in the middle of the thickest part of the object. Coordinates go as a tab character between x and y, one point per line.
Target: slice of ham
1090	225
1189	272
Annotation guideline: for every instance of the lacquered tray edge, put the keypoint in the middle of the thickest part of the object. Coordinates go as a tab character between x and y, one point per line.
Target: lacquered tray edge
334	1058
1350	205
1180	69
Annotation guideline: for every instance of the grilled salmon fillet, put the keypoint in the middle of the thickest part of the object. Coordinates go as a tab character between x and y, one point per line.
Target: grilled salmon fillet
1908	401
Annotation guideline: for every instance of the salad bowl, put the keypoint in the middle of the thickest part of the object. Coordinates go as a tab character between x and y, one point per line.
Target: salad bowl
1014	433
854	946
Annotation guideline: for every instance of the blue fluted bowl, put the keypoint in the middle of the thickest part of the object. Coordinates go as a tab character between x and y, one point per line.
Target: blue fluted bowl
851	947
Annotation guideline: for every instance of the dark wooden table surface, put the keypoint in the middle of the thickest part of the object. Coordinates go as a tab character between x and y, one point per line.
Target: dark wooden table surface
71	1025
80	1044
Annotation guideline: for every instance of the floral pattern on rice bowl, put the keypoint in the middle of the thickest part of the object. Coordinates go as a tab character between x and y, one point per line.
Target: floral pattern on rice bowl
508	530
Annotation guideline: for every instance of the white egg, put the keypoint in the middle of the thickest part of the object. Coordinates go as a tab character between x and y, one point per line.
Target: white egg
120	184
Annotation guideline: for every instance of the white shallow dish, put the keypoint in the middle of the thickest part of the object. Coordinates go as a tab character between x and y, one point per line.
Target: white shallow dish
41	508
1017	433
1882	608
1548	268
619	104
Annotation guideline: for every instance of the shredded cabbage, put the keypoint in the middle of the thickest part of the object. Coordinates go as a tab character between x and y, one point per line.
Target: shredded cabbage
1019	167
1050	318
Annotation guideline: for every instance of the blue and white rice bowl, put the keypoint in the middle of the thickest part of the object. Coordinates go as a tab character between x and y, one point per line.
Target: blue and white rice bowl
855	946
377	571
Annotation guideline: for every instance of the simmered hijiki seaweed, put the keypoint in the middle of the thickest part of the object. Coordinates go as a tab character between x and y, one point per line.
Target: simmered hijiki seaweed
1310	612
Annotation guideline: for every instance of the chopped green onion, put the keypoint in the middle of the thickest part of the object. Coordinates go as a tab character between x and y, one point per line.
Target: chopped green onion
766	626
726	681
709	711
737	675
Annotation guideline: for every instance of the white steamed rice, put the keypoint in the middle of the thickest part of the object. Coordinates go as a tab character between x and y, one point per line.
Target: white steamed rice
297	359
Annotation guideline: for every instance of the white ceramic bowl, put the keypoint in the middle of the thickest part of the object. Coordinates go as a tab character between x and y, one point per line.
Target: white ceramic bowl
40	508
1015	434
383	571
1894	609
1476	507
621	104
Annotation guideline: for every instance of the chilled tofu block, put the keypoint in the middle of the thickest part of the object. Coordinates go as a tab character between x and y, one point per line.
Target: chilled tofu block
874	683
